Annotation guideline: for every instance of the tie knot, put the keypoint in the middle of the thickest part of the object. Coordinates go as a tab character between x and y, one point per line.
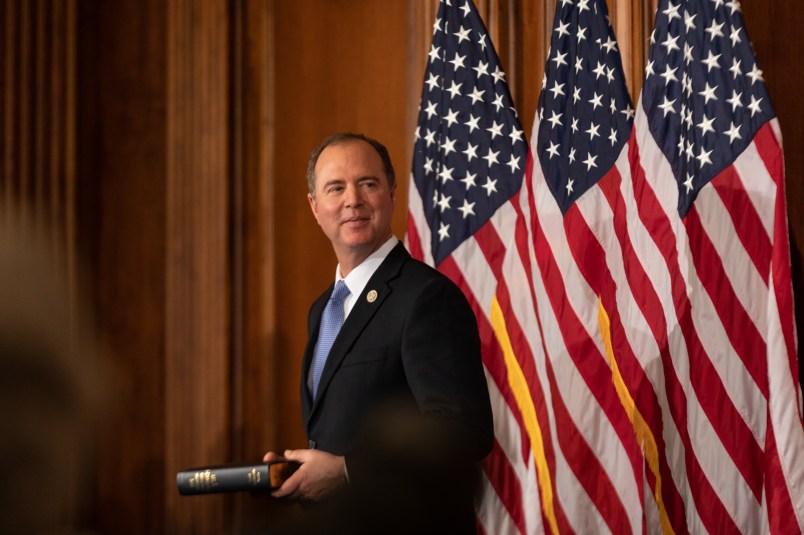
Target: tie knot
340	292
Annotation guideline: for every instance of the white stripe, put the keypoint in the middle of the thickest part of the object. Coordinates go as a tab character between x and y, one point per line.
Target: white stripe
491	512
785	415
758	184
726	480
509	436
745	280
416	208
591	420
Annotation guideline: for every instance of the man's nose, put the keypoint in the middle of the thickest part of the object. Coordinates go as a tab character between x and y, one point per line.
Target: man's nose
353	196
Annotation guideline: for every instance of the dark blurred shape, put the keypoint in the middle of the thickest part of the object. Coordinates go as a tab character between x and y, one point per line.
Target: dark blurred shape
51	386
413	477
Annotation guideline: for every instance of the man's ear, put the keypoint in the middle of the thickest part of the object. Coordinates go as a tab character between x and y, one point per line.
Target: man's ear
313	205
393	195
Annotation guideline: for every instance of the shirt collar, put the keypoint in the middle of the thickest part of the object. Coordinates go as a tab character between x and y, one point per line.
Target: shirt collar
357	279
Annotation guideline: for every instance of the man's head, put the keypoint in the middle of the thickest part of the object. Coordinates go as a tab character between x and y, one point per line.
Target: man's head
352	195
347	137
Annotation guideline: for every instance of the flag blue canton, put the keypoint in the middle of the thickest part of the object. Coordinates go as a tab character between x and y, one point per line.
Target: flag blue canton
470	152
704	94
585	112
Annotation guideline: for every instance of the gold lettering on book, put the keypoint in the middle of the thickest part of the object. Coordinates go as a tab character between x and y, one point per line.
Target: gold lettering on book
254	477
203	480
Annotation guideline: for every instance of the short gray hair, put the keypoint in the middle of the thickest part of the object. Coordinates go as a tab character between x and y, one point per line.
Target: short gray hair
347	137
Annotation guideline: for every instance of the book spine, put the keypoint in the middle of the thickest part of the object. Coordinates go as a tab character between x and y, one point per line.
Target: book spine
223	479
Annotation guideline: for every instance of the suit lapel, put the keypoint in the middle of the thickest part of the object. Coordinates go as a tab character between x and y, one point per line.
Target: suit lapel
360	315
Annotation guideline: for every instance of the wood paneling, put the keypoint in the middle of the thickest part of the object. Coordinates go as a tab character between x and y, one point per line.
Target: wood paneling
340	65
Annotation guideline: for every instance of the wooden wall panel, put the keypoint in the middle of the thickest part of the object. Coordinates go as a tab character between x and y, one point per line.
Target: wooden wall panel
196	340
340	65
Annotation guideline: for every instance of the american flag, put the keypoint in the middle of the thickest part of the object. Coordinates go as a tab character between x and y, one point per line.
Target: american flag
708	224
468	165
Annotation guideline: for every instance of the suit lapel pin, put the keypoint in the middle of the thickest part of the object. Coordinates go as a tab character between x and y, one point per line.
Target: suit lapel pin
371	296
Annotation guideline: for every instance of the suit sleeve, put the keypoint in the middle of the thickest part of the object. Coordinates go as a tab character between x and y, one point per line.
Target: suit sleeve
444	369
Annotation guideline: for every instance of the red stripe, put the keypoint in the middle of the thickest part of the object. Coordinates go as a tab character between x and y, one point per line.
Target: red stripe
493	357
710	509
506	485
634	376
586	357
740	329
771	153
414	241
747	223
781	516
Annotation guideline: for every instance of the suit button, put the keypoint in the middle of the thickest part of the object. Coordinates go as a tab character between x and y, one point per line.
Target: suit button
311	444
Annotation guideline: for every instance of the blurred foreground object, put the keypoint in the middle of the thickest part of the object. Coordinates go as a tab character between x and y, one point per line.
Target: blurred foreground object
50	387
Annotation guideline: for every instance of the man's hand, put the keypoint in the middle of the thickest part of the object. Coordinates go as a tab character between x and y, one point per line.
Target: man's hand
319	475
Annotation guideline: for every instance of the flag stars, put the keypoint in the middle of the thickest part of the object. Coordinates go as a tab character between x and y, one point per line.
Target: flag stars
466	9
708	93
703	157
559	59
430	110
754	105
491	157
733	132
429	137
592	131
595	101
688	182
755	74
711	61
672	12
490	186
443	231
448	146
706	125
570	182
557	89
462	34
495	130
552	150
735	36
562	29
689	21
600	70
434	53
432	81
457	61
469	181
513	163
451	118
470	152
472	123
555	120
735	68
455	89
467	209
445	174
667	106
498	102
735	100
516	134
669	74
476	95
443	203
613	136
715	30
481	69
671	43
590	161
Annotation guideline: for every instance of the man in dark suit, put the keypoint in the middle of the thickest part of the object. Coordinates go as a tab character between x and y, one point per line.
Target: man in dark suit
403	381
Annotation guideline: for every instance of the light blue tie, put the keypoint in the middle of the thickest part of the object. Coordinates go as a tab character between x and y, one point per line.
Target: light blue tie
331	321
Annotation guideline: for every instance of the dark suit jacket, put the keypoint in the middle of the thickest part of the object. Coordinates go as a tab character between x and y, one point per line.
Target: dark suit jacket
417	340
416	344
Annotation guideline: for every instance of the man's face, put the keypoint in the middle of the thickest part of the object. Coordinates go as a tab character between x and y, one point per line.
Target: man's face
353	202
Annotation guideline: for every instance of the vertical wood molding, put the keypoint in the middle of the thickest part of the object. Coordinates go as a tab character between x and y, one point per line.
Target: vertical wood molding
197	374
255	361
